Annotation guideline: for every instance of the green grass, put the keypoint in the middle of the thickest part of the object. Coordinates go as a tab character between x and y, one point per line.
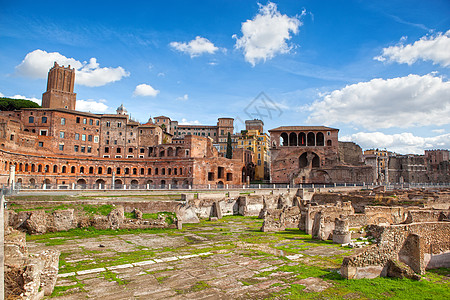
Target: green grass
59	291
199	286
111	276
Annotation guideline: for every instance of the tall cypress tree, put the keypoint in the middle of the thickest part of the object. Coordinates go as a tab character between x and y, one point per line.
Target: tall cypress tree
229	153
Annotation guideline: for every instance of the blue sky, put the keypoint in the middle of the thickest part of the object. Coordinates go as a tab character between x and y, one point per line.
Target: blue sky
377	70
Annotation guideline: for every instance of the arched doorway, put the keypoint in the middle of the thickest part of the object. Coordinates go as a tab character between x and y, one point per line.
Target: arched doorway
118	184
220	185
316	161
32	182
163	184
320	139
303	161
284	139
100	184
81	183
302	139
311	139
134	184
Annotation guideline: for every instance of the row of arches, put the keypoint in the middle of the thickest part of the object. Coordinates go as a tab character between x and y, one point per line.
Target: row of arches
55	169
303	139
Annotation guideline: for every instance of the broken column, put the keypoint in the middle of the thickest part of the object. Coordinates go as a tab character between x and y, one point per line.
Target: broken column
341	234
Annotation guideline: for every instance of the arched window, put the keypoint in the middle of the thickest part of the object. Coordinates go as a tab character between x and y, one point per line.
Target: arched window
156	171
284	139
292	139
64	169
109	171
162	153
181	171
311	139
329	143
33	168
39	168
170	151
127	171
163	171
303	160
55	169
99	170
142	171
302	139
149	171
169	171
134	171
26	167
91	170
320	139
174	171
72	169
82	170
118	171
47	169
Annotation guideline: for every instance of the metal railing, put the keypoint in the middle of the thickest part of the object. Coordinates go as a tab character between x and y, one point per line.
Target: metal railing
360	185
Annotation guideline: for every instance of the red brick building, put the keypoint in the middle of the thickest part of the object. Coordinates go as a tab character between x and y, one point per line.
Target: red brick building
58	146
310	154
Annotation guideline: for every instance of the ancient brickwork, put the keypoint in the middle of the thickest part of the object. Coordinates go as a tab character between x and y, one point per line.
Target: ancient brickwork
419	245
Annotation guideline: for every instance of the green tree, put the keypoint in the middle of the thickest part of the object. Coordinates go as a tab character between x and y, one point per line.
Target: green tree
229	153
8	104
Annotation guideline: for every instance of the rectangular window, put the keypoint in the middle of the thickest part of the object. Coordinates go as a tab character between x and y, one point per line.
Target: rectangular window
108	124
83	149
31	120
89	138
41	144
96	139
115	142
61	147
75	148
63	121
84	121
43	132
78	120
83	137
89	149
119	124
106	149
61	134
44	119
97	122
91	122
77	136
118	150
107	142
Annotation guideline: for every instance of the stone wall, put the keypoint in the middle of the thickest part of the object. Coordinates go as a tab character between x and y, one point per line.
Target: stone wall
420	246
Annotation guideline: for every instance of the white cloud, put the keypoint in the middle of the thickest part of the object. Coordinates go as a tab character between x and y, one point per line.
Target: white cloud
91	105
161	74
404	143
37	63
435	48
1	95
185	97
38	101
145	90
399	102
441	130
266	34
186	122
195	47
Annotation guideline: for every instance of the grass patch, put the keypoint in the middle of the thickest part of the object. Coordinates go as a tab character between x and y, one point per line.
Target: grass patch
59	291
111	276
199	286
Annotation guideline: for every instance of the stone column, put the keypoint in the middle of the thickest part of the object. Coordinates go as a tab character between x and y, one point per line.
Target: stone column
12	176
341	234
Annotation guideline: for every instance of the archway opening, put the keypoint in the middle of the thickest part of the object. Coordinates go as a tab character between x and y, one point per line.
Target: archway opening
292	139
311	139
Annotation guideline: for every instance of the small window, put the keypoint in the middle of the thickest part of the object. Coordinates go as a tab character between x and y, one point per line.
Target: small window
77	136
130	150
43	132
84	121
89	138
78	120
63	121
76	148
44	120
108	124
61	134
91	122
31	120
83	137
106	149
97	122
119	150
89	149
83	149
96	139
61	147
107	142
41	144
119	124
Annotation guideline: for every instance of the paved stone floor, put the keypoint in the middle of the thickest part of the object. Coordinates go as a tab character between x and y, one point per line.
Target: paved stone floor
226	259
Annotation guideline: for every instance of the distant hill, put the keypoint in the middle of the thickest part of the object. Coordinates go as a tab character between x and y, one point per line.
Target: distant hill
14	104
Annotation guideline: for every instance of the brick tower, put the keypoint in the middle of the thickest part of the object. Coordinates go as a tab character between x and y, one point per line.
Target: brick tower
59	92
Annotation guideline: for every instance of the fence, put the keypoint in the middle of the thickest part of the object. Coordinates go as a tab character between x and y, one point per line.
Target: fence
18	186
